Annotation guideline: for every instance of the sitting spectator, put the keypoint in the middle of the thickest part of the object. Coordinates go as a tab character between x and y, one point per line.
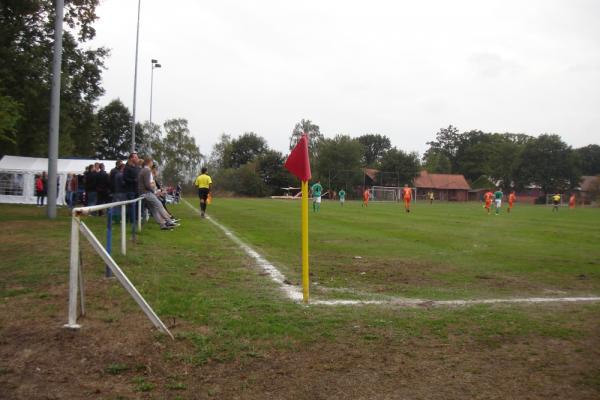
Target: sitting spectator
146	189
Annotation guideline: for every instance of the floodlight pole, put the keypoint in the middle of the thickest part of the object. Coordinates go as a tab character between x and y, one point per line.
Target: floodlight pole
137	41
155	64
55	111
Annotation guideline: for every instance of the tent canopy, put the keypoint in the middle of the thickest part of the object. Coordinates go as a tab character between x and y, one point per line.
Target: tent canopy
36	165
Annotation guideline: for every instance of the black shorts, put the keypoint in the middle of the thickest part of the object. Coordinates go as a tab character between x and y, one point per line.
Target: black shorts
203	193
556	202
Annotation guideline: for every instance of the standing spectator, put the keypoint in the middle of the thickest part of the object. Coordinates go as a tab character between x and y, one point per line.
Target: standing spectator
68	189
130	180
39	190
102	185
73	190
44	186
118	188
90	186
111	177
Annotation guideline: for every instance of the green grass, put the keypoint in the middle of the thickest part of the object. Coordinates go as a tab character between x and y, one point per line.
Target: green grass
231	312
439	251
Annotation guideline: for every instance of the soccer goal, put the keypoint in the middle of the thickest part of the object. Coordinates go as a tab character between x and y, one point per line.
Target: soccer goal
384	193
76	282
550	202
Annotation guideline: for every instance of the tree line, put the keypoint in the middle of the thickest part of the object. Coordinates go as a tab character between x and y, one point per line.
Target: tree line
245	165
26	39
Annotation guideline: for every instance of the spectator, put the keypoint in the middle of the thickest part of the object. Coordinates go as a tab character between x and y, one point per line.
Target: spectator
73	190
118	187
39	189
130	181
44	186
102	185
68	189
146	187
90	186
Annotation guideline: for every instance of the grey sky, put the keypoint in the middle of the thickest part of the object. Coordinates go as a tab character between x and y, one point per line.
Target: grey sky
399	68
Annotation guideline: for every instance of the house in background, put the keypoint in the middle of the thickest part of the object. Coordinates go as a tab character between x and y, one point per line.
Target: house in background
589	189
444	186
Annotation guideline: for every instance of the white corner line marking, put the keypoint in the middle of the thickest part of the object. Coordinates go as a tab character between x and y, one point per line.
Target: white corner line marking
294	293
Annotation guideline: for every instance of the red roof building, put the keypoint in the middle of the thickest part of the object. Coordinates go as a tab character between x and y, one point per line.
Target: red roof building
444	186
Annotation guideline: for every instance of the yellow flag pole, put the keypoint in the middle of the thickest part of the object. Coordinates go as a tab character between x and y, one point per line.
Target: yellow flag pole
305	282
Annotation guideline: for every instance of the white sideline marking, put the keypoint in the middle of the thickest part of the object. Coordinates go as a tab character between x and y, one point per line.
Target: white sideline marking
294	293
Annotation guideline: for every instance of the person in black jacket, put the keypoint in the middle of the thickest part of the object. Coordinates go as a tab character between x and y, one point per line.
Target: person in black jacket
102	185
130	182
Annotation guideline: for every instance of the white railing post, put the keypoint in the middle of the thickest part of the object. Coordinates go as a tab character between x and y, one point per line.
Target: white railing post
139	214
73	274
123	229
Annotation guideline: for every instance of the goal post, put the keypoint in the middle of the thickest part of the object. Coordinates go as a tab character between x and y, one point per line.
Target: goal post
389	193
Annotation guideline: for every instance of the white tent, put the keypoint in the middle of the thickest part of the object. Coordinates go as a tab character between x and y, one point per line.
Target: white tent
17	176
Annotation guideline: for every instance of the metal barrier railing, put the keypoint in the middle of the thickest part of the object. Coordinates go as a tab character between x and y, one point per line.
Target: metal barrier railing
76	283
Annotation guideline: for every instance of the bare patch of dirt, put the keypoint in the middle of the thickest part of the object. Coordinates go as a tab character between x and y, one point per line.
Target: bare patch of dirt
118	354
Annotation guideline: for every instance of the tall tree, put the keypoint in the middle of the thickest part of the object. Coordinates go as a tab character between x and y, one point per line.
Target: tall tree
339	162
405	165
590	159
182	156
447	142
26	38
306	126
150	142
244	149
113	141
375	147
269	166
549	162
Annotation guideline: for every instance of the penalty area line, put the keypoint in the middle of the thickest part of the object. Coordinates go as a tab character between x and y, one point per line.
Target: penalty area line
295	294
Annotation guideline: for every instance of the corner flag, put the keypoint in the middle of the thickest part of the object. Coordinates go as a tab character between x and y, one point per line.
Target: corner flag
299	165
297	162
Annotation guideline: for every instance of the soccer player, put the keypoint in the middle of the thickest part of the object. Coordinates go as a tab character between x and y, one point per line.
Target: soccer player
316	190
572	201
555	202
498	200
511	200
488	200
430	196
342	194
407	196
204	183
366	198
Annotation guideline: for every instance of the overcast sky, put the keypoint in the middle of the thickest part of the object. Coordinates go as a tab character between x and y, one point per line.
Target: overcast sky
399	68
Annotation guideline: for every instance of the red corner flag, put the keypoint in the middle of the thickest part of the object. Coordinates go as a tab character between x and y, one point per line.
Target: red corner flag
297	162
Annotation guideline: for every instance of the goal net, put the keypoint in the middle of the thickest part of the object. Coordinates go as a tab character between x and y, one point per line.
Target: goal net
388	193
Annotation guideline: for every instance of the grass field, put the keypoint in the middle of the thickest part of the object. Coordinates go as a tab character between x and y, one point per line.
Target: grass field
238	337
439	251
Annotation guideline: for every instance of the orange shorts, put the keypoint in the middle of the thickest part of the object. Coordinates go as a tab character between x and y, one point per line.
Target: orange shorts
488	204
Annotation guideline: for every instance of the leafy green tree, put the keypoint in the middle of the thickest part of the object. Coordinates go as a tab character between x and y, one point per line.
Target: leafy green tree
337	157
447	142
243	181
314	134
550	163
114	139
375	147
590	159
149	141
26	39
272	172
243	149
436	163
10	113
405	165
216	160
182	156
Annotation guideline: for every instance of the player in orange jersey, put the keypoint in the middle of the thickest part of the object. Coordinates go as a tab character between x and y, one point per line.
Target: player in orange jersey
511	200
572	201
407	196
487	197
366	198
